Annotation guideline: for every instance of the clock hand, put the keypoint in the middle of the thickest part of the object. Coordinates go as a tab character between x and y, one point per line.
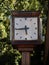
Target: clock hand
20	28
26	28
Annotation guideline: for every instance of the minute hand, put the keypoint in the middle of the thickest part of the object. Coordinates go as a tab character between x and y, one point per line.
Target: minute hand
21	28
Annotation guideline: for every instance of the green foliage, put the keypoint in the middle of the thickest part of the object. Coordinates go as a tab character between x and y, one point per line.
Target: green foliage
27	5
3	33
6	6
8	55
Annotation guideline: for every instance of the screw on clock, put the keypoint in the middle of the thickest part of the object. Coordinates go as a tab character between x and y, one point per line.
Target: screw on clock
34	23
34	33
20	37
25	38
16	23
16	33
30	36
36	28
30	19
20	20
25	18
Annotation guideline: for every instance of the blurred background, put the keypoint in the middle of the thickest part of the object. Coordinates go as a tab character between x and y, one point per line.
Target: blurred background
8	55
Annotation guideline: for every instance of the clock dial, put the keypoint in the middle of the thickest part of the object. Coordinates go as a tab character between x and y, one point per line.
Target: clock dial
26	28
25	38
20	19
16	33
20	37
16	23
30	36
30	19
25	18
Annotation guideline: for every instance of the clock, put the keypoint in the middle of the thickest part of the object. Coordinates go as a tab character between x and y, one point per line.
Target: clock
25	28
25	32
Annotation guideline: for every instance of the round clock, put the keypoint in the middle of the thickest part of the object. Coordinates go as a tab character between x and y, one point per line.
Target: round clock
25	27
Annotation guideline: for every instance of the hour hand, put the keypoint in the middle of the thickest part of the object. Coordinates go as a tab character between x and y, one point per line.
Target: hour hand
26	28
26	31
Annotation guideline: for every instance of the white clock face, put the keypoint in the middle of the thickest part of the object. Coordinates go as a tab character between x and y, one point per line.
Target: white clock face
26	28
